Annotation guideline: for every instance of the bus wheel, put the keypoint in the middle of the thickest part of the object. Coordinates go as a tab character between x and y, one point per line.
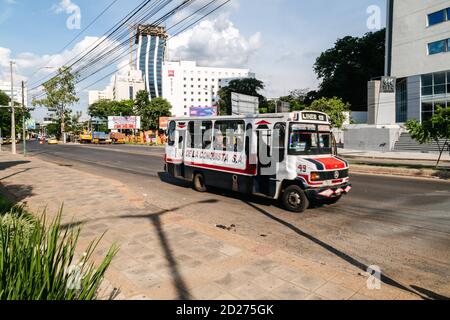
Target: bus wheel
199	183
294	199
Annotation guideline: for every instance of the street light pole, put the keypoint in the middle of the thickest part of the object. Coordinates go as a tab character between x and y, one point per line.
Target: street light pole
13	114
24	138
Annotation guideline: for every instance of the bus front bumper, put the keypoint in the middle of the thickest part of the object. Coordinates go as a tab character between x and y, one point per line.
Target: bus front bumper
328	192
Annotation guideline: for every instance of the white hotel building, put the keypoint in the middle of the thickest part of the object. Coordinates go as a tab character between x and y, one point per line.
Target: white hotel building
186	85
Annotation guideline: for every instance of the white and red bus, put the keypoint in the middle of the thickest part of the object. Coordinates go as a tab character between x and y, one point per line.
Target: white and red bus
289	157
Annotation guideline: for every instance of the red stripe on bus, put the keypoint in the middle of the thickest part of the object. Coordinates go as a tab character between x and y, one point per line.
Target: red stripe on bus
331	163
306	177
248	171
173	161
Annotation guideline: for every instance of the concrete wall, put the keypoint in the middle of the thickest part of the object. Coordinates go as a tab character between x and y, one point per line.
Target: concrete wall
411	35
370	138
381	106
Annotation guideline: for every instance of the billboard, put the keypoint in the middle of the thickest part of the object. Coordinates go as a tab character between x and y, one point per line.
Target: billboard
203	112
124	123
30	124
243	104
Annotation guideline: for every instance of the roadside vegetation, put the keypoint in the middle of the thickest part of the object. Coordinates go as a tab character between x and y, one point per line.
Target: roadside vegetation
436	129
38	259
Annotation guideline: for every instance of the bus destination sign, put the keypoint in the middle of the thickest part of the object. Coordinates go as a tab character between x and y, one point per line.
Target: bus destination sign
312	116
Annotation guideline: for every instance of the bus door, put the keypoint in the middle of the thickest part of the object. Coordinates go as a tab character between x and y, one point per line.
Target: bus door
266	174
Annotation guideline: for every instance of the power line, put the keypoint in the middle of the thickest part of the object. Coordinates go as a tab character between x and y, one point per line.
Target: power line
180	31
79	34
107	34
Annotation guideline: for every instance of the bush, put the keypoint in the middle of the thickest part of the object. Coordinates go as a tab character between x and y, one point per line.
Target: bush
37	261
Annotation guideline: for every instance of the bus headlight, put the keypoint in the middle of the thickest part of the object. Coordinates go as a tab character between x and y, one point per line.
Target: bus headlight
315	176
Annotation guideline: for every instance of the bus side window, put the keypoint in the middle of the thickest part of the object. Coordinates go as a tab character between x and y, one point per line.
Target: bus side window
280	134
172	131
247	140
206	135
191	134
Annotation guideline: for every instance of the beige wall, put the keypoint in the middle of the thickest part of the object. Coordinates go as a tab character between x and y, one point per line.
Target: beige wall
411	36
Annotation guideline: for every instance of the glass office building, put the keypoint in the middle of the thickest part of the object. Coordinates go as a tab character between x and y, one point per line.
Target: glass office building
151	41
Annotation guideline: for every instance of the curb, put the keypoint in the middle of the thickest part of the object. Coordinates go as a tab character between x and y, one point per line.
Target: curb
406	172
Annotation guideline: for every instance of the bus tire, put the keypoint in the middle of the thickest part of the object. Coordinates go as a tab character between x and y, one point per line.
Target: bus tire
199	183
294	199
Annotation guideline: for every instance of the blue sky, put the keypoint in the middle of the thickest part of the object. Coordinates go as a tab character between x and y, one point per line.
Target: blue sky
278	39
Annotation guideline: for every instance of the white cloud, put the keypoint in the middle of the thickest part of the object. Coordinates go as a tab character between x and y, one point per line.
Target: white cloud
64	6
10	1
215	43
31	67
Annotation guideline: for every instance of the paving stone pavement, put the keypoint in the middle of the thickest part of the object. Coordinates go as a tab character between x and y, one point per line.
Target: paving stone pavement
164	255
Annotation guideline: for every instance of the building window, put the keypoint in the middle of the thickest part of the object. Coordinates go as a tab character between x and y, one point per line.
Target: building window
434	89
439	83
448	83
401	101
437	17
131	89
437	47
427	110
427	85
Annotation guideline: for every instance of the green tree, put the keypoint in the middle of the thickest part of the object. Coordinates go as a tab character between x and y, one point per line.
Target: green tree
5	115
335	108
298	99
434	129
346	68
151	110
248	86
60	94
106	108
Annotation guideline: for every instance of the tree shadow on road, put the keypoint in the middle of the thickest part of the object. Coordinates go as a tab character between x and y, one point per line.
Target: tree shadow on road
9	164
422	293
155	217
16	193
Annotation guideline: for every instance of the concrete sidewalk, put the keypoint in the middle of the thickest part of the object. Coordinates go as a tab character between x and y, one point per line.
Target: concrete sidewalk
413	156
165	255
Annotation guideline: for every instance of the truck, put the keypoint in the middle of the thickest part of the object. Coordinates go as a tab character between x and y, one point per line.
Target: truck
86	137
117	137
101	138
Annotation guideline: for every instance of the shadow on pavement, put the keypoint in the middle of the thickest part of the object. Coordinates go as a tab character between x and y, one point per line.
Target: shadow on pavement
16	193
423	293
9	164
155	218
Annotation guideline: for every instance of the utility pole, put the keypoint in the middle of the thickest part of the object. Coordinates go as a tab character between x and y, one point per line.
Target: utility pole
24	138
63	125
13	113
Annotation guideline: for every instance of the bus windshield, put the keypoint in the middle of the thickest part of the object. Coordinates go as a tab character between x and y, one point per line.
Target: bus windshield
309	139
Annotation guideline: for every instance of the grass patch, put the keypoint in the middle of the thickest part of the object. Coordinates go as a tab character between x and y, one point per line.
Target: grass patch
37	259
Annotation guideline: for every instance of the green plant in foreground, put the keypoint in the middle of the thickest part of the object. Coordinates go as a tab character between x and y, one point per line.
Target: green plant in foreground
38	263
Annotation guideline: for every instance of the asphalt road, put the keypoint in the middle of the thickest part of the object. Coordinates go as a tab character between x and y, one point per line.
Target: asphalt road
400	224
